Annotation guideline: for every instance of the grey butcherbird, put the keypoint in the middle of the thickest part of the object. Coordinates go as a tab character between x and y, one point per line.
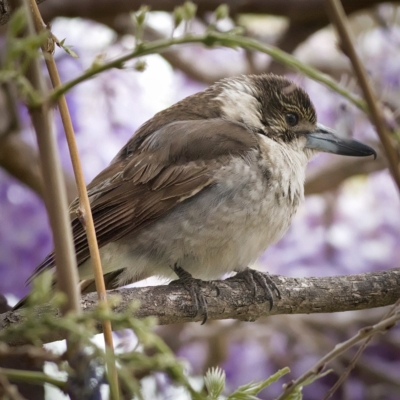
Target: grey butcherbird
205	186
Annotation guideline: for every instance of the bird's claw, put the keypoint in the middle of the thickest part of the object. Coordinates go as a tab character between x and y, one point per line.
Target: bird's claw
193	286
251	276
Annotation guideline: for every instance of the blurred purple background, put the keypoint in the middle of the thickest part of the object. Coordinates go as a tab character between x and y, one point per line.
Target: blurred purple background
353	229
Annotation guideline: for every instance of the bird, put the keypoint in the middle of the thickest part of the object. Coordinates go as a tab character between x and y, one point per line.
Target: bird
204	187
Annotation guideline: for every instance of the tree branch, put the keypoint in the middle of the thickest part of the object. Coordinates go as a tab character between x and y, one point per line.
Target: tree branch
22	161
305	10
330	175
340	22
297	33
172	303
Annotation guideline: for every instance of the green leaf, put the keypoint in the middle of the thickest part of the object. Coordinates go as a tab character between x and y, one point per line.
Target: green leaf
249	391
67	49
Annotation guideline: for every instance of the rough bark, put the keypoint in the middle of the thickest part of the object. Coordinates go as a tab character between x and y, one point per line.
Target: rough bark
172	303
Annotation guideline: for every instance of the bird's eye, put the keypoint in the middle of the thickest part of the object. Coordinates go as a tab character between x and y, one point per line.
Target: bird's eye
292	119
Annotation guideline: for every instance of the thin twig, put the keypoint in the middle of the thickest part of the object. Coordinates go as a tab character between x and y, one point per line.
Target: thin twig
211	39
339	349
86	212
356	357
339	20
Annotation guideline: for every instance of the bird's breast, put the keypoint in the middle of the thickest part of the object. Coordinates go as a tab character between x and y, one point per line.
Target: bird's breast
225	227
231	224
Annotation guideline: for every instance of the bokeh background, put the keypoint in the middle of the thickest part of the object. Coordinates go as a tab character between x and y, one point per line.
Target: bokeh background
349	223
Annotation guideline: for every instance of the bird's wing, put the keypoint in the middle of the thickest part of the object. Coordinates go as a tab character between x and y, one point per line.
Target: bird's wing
170	165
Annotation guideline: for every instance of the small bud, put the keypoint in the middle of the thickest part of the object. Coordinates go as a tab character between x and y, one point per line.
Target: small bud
221	12
120	65
140	15
179	15
97	62
189	10
140	65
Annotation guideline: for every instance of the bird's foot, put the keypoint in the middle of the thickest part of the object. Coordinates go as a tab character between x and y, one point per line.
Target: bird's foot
251	276
193	286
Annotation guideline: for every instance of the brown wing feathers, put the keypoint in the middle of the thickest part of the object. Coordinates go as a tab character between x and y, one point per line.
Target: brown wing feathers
170	165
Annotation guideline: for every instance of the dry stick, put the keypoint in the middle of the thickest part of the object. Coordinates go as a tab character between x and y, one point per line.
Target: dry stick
83	196
362	334
356	357
55	193
339	20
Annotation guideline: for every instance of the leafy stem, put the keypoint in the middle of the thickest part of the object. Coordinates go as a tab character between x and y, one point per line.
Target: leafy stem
213	39
37	378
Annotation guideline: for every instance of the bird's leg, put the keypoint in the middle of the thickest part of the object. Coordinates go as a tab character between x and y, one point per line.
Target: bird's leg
193	286
251	276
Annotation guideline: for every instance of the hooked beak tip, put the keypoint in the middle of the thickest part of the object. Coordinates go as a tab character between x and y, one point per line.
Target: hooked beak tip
326	140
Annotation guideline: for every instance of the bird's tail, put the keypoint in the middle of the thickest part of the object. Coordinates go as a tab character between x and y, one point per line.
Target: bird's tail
110	279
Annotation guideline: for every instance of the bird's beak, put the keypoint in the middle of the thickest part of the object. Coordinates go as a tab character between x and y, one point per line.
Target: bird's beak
326	139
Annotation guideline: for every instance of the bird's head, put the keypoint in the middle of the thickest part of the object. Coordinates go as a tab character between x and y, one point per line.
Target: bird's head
282	111
270	106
